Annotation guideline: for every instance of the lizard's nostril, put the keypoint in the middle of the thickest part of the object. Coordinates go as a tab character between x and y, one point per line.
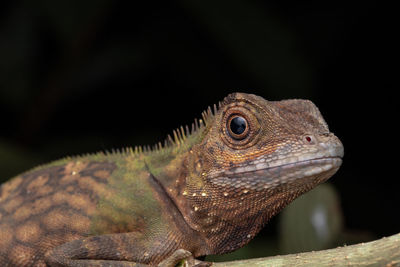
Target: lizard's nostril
309	139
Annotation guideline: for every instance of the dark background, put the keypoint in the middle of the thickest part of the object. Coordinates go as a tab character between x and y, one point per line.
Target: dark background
84	76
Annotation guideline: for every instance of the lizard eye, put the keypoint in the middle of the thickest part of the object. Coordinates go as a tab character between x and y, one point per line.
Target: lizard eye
237	127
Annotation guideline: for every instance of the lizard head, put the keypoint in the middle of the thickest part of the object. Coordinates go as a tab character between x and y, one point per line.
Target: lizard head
256	156
261	145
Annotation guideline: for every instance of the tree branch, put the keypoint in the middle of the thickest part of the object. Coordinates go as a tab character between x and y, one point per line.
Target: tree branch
382	252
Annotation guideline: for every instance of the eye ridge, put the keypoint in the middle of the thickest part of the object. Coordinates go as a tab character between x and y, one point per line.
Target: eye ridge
238	127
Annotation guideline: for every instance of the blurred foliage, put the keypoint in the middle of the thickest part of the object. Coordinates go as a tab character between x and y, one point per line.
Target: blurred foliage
313	222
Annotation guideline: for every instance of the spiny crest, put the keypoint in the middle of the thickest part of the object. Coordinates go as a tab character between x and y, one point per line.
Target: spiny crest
180	134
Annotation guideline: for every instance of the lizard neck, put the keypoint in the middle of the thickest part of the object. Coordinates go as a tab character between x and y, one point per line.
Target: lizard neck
170	169
224	219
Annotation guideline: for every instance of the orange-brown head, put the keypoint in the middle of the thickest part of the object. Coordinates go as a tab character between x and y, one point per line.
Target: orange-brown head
255	156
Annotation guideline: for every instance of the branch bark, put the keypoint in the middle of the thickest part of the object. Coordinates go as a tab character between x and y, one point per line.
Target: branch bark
381	252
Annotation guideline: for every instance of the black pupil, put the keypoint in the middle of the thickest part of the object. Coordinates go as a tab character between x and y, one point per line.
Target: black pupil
238	125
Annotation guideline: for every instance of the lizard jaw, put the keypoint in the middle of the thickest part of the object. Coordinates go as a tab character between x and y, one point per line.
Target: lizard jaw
298	170
292	175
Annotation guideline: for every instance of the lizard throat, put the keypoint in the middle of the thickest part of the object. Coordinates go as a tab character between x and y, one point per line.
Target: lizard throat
252	197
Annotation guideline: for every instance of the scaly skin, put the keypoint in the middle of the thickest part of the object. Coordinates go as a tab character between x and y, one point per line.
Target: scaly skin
207	192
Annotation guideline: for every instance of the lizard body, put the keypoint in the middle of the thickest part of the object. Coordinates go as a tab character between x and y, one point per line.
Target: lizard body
209	191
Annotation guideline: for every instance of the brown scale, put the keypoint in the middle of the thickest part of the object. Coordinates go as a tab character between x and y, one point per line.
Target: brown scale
36	214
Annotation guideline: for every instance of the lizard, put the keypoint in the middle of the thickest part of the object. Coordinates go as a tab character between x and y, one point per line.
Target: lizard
206	190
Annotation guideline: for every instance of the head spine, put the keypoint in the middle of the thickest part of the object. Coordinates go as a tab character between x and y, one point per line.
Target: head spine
180	134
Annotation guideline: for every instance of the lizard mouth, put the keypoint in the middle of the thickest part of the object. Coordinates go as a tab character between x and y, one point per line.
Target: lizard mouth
259	176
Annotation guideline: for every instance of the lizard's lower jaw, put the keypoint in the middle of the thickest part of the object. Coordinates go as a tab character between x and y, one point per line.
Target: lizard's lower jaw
303	173
303	170
288	176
